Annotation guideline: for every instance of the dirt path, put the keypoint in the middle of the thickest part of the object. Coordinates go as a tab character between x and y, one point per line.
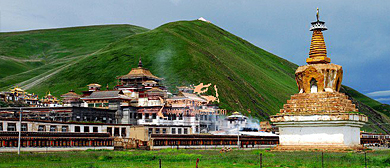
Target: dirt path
27	84
21	60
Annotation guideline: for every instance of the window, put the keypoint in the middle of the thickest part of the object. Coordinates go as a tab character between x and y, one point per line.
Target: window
147	116
11	127
154	115
185	131
116	131
1	126
90	105
157	130
41	128
123	133
205	117
109	130
150	131
131	115
197	129
53	128
139	116
164	130
64	129
95	129
86	128
179	131
24	127
173	131
77	129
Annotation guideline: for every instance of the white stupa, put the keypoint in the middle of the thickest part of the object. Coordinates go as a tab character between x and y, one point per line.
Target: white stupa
203	19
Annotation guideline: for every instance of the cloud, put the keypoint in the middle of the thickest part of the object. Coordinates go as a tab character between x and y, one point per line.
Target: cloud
379	93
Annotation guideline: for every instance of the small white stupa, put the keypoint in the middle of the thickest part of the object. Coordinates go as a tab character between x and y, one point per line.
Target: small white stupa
203	19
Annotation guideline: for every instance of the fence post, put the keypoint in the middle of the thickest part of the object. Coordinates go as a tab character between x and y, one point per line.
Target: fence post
365	159
160	163
322	159
197	161
261	160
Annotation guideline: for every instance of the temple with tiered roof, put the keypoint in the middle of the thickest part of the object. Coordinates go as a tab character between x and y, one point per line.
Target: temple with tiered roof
319	116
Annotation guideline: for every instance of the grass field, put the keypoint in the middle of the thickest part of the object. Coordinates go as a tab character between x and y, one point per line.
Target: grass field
187	158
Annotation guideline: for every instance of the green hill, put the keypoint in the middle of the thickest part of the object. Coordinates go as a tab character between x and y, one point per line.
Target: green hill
187	52
33	55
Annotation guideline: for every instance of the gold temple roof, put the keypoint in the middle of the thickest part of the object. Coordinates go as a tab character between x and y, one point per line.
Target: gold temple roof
94	84
139	73
154	89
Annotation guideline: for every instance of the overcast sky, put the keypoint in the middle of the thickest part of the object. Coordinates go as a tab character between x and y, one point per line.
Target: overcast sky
358	35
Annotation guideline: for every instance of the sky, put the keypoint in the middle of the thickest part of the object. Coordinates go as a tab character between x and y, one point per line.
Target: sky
358	36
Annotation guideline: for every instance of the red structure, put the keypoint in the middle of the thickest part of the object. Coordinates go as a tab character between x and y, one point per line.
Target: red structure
56	139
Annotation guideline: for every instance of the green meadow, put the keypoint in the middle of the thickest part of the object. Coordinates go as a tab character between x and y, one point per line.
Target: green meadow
174	158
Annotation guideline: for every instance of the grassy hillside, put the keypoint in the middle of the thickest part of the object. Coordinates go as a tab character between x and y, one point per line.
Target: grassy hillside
39	53
190	52
249	79
378	114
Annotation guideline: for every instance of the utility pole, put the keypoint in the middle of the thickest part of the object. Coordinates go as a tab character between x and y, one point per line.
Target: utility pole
0	21
238	140
238	135
20	129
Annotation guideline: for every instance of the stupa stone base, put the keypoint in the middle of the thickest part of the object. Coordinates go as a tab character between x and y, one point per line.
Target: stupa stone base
336	131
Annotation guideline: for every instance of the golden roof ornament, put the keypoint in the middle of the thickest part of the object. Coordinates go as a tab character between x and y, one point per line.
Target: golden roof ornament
317	52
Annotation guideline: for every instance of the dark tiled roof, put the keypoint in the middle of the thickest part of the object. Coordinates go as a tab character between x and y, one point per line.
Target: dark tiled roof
105	94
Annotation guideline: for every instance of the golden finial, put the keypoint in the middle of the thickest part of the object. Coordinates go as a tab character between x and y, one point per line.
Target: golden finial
318	14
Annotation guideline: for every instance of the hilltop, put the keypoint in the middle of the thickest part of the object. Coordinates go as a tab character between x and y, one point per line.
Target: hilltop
249	79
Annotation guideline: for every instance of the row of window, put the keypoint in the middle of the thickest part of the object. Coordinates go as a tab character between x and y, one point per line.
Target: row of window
98	104
164	130
65	128
52	128
205	117
139	116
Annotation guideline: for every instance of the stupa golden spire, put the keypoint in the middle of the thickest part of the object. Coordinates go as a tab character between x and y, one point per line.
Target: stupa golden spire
317	52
